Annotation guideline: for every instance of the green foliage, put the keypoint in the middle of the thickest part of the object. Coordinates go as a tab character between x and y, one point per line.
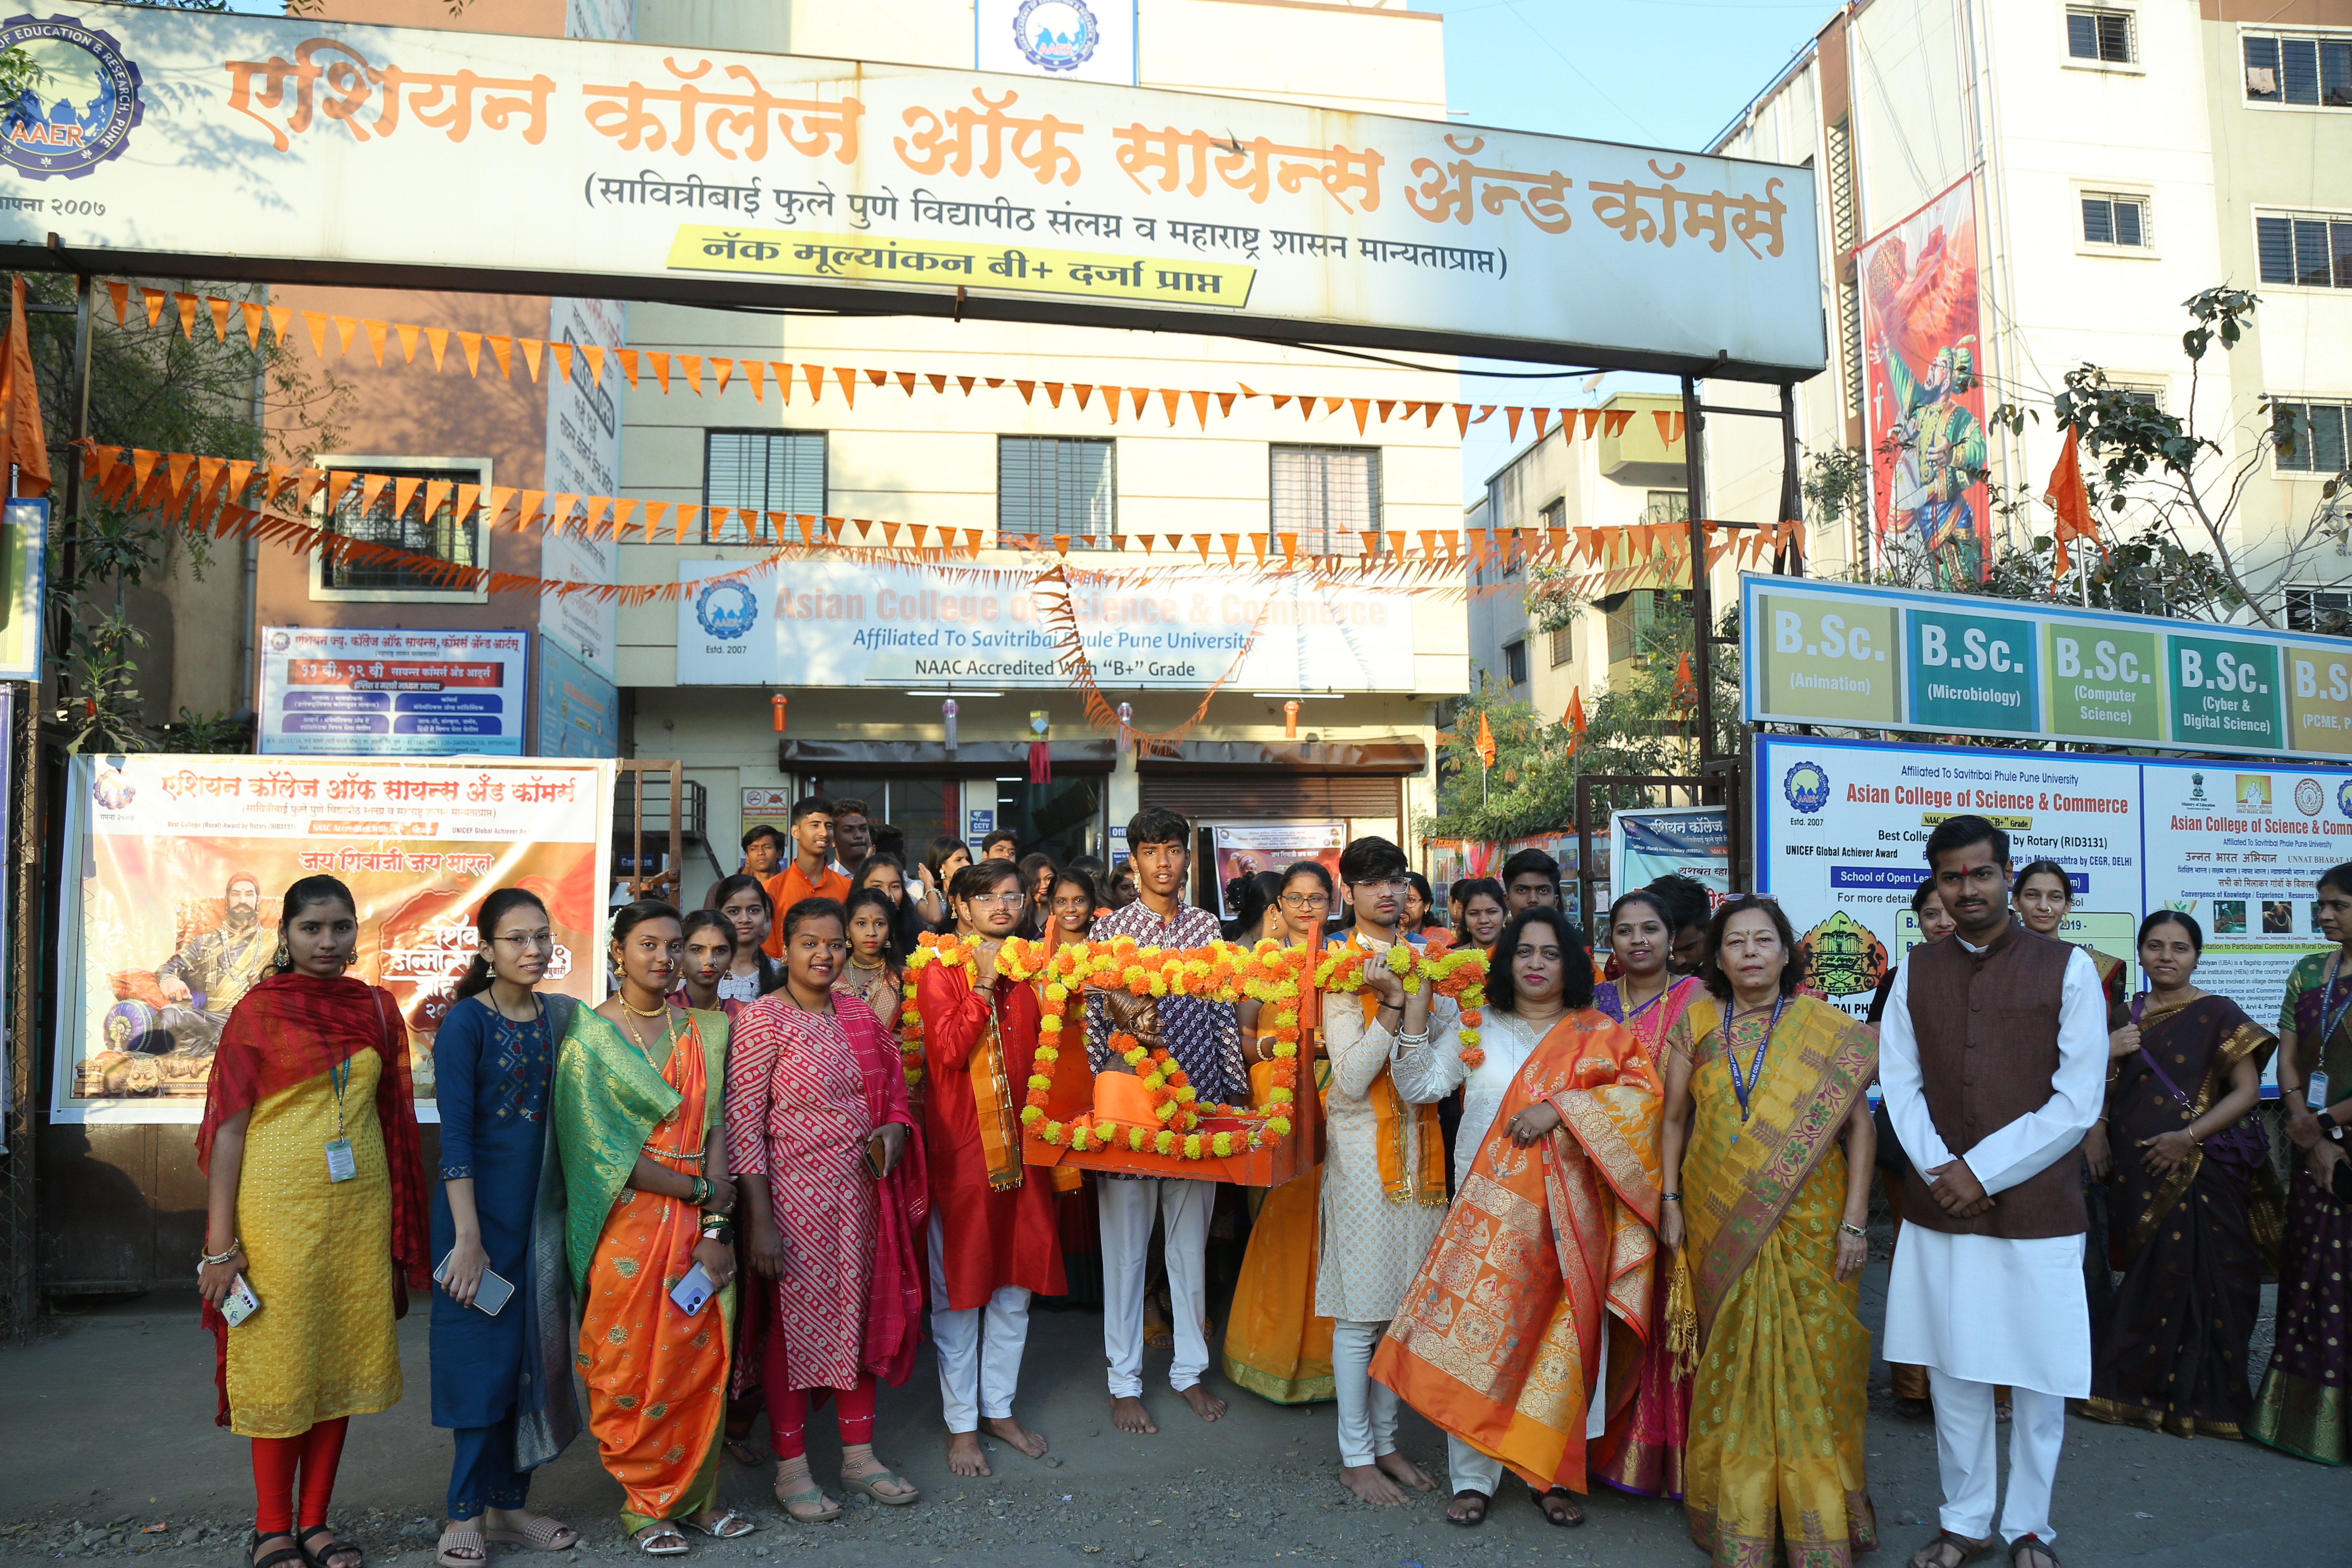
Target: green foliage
151	387
1646	723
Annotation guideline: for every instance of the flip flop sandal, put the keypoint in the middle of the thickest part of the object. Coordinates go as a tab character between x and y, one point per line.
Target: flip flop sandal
1479	1502
2035	1543
283	1554
461	1538
1967	1547
318	1559
1569	1519
870	1486
788	1501
541	1534
663	1539
728	1526
740	1449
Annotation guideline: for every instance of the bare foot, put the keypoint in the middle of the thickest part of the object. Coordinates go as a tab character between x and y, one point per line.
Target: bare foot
1370	1485
1128	1414
1205	1405
965	1457
1396	1467
1030	1443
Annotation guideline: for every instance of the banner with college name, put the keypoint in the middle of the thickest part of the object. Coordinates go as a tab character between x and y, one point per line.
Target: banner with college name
1841	828
183	860
1949	664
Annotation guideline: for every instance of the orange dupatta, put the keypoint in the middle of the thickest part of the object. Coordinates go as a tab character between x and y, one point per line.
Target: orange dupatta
1495	1339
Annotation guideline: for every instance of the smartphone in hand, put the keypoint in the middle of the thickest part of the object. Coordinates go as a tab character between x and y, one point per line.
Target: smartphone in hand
693	1291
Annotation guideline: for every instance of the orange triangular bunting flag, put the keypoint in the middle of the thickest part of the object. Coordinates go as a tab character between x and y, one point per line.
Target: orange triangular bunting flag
1200	407
1511	422
1592	421
1461	417
219	309
1383	407
660	362
437	339
691	367
186	304
1226	402
1028	389
371	487
531	352
253	319
814	376
345	327
376	333
407	342
472	343
1362	407
561	354
848	381
1542	417
1053	392
1169	398
502	349
938	383
725	368
1665	423
312	320
756	373
120	292
622	508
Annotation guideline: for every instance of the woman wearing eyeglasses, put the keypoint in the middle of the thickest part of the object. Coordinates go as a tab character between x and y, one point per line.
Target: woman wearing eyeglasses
1275	1345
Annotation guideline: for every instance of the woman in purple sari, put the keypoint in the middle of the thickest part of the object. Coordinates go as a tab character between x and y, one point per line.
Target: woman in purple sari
2304	1408
2185	1206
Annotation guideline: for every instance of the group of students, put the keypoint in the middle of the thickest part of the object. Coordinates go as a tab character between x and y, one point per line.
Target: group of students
1658	1184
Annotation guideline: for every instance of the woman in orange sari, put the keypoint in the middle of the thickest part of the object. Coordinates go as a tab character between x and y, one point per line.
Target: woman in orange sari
316	1190
1275	1345
1645	1458
639	1086
1505	1338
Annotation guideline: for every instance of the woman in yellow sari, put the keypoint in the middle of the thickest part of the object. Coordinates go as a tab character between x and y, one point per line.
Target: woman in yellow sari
640	1085
1772	1209
1275	1345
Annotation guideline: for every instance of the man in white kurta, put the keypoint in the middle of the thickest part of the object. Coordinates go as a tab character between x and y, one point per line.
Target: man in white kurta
1986	1287
1372	1235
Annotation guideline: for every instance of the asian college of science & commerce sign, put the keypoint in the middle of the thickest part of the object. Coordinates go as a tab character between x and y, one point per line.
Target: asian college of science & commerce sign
250	147
824	624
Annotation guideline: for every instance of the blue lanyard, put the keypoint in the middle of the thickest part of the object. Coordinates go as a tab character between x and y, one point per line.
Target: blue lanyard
2329	1021
1756	1068
1650	1003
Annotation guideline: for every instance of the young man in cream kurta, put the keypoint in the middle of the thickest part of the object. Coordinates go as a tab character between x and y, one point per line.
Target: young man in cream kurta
1372	1242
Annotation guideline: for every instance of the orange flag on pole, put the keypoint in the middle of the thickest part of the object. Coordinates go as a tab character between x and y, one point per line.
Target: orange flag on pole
2071	502
23	441
1574	719
1485	743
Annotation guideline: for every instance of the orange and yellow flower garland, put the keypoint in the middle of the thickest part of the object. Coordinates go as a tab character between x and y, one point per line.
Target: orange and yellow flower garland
931	948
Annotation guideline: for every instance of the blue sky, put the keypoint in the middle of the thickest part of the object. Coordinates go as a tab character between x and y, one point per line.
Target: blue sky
1664	73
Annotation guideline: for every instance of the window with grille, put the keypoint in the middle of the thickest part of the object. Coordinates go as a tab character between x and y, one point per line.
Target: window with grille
2115	220
1515	662
2102	35
2318	443
427	526
2313	70
2327	611
1563	645
2303	250
1629	616
761	471
1329	496
1048	485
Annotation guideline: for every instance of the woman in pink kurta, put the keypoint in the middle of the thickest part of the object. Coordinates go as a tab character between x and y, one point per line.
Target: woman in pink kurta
812	1081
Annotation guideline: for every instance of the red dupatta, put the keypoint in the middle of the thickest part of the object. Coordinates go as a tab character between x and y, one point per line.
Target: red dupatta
894	1300
292	1027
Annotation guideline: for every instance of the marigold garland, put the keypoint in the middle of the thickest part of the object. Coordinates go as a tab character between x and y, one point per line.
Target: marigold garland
931	948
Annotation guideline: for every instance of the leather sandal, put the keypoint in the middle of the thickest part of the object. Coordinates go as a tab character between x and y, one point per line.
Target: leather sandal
2035	1544
283	1554
1951	1550
1478	1503
319	1558
1568	1517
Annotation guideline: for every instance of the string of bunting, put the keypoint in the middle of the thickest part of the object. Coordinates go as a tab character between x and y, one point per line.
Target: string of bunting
672	371
174	481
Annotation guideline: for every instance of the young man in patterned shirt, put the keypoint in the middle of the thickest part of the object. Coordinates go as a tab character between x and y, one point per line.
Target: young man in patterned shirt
1206	1039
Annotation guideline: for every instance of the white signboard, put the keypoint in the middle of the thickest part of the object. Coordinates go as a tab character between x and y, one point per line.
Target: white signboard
814	623
1841	827
584	457
229	145
376	691
1075	40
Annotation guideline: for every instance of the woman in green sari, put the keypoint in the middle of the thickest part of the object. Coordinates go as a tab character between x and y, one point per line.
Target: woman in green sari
640	1088
1770	1209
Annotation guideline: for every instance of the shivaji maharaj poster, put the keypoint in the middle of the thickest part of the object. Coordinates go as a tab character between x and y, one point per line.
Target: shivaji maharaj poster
183	861
1924	362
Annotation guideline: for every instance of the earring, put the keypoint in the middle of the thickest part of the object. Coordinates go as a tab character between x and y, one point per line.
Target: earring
285	960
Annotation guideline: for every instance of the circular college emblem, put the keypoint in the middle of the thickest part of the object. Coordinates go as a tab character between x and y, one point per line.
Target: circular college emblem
2343	797
727	610
1807	785
1056	34
80	110
2309	798
112	790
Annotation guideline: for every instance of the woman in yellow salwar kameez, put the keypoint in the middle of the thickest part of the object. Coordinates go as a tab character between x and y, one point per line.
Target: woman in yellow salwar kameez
1275	1345
639	1095
1771	1210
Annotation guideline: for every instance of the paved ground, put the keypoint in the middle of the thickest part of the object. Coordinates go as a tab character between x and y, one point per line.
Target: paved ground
109	1433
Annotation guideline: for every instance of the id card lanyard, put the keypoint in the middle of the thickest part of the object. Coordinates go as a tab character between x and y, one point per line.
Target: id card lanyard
1756	1068
2316	1085
342	1165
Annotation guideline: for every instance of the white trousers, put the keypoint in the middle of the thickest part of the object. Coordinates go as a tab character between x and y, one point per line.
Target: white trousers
1127	1209
1368	1410
1964	1452
1470	1470
979	1348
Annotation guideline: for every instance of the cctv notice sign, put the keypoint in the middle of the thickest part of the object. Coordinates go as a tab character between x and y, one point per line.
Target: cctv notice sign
1949	663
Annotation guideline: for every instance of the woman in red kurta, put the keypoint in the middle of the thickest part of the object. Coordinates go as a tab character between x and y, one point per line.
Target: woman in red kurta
812	1084
992	1241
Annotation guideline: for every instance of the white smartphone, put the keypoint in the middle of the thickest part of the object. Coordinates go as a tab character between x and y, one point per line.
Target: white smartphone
240	1303
691	1293
492	1293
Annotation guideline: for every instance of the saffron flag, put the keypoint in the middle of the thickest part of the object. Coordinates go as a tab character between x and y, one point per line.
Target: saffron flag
23	441
2067	497
1574	719
1485	742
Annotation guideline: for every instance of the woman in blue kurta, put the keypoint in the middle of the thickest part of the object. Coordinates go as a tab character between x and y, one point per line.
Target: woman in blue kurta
502	1381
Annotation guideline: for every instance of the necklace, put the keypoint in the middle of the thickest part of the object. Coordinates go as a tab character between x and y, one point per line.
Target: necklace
869	968
642	1011
1633	1012
1755	1067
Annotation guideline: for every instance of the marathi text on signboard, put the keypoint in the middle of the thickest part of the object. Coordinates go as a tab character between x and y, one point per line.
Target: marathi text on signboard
385	691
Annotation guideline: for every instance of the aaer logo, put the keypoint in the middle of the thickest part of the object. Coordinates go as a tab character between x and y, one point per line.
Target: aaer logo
1807	785
80	110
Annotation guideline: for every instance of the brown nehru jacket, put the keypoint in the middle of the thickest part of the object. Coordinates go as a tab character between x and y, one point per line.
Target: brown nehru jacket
1986	1024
